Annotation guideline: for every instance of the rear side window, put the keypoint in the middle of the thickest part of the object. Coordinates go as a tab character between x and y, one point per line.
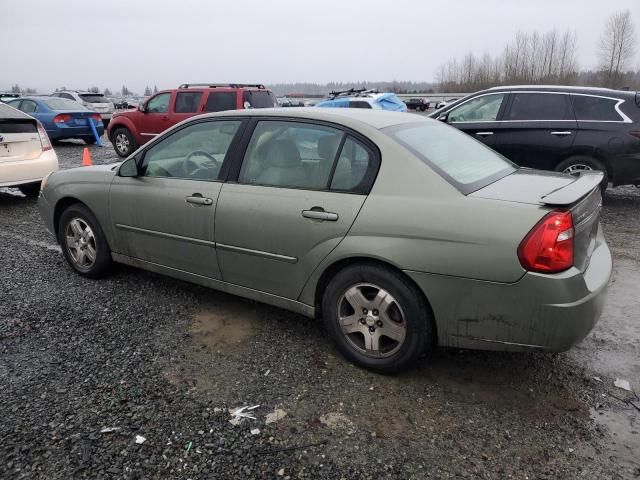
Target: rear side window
17	126
463	161
187	102
595	108
28	106
539	106
359	104
258	99
353	165
221	101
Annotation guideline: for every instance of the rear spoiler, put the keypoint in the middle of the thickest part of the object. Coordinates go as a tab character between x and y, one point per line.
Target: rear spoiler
579	188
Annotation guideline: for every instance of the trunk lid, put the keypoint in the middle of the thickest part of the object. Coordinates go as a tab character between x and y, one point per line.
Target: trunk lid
556	191
19	139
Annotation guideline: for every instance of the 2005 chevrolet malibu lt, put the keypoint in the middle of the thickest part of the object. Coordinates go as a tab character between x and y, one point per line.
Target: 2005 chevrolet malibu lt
400	232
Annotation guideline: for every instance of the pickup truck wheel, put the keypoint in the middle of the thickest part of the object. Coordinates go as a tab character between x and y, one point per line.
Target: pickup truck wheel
123	142
582	163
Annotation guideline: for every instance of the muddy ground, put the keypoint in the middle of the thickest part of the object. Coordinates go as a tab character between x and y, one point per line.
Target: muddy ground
152	357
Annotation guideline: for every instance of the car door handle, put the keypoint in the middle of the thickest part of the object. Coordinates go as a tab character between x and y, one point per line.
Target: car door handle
484	134
560	134
198	199
320	215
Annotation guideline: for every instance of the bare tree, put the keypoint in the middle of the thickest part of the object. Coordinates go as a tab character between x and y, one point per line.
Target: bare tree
617	47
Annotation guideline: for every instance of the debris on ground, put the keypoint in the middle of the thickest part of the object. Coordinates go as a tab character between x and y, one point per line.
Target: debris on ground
140	439
109	429
241	413
277	414
623	384
255	431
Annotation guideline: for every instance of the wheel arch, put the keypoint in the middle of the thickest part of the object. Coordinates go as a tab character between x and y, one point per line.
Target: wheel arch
122	123
61	205
332	270
588	152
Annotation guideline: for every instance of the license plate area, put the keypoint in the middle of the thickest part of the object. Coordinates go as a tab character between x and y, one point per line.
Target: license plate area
5	150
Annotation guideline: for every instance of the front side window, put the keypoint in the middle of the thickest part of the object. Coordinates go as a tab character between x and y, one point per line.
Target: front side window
539	106
187	102
159	103
460	159
290	155
595	108
220	102
479	109
195	152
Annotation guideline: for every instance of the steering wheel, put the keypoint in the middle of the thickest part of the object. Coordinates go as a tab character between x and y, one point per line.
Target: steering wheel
211	162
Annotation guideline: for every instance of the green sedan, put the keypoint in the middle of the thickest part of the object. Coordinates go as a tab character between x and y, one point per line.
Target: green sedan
400	232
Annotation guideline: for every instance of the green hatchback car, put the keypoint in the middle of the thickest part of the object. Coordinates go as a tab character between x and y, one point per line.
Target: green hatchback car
401	232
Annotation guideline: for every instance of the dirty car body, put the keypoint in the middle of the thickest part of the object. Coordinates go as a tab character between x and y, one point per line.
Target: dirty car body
376	221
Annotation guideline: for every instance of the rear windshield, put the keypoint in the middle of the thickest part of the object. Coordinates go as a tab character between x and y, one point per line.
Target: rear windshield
94	98
463	161
259	98
18	126
64	104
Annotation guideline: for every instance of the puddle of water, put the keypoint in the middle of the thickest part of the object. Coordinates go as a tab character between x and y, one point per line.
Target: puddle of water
623	432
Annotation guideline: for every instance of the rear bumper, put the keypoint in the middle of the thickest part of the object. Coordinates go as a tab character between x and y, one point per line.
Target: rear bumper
544	312
74	132
22	172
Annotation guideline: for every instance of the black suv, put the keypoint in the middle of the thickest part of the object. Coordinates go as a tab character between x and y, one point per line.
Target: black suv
418	104
567	129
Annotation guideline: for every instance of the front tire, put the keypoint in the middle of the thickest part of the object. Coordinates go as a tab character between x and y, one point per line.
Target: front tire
377	318
123	142
83	242
31	190
89	140
582	163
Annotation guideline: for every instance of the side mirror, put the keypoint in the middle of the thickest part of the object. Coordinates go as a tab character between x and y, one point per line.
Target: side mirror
141	107
129	168
444	117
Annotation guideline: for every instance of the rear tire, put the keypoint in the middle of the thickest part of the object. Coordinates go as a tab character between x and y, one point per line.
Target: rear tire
89	140
31	190
83	243
580	163
377	318
123	142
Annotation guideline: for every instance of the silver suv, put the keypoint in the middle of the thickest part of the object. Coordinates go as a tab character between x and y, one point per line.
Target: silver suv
93	101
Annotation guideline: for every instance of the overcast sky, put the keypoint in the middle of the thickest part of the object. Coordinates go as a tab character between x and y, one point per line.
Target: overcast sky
78	43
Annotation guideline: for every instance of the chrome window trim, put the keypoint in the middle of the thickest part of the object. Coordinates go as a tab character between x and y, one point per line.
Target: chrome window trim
620	101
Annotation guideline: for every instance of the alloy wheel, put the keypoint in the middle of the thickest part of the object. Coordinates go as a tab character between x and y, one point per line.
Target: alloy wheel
576	169
371	320
122	143
80	243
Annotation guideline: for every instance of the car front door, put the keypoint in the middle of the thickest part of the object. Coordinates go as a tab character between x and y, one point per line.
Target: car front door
155	118
163	211
479	116
298	191
538	129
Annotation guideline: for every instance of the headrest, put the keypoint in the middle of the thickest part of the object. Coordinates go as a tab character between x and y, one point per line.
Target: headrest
327	146
283	154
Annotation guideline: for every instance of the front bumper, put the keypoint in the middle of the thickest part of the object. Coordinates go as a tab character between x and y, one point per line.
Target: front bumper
22	172
545	312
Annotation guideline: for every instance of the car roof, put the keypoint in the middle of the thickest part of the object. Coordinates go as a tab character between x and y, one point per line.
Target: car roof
10	113
563	88
348	116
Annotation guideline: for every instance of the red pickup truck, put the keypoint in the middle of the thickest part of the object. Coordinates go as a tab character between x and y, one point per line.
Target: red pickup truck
130	129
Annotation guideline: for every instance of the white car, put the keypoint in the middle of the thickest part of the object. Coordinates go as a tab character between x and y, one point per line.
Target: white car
93	101
26	154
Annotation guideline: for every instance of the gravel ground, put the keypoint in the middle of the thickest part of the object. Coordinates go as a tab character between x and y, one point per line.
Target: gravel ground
152	357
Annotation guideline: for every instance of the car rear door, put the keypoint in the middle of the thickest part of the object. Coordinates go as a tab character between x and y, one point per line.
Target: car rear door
289	203
537	129
164	215
479	116
185	104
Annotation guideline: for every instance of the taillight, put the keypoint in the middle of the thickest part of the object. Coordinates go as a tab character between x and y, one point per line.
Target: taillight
548	247
62	118
44	138
96	117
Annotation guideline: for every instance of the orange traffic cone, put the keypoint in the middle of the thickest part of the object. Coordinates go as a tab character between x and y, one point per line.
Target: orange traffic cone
86	158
